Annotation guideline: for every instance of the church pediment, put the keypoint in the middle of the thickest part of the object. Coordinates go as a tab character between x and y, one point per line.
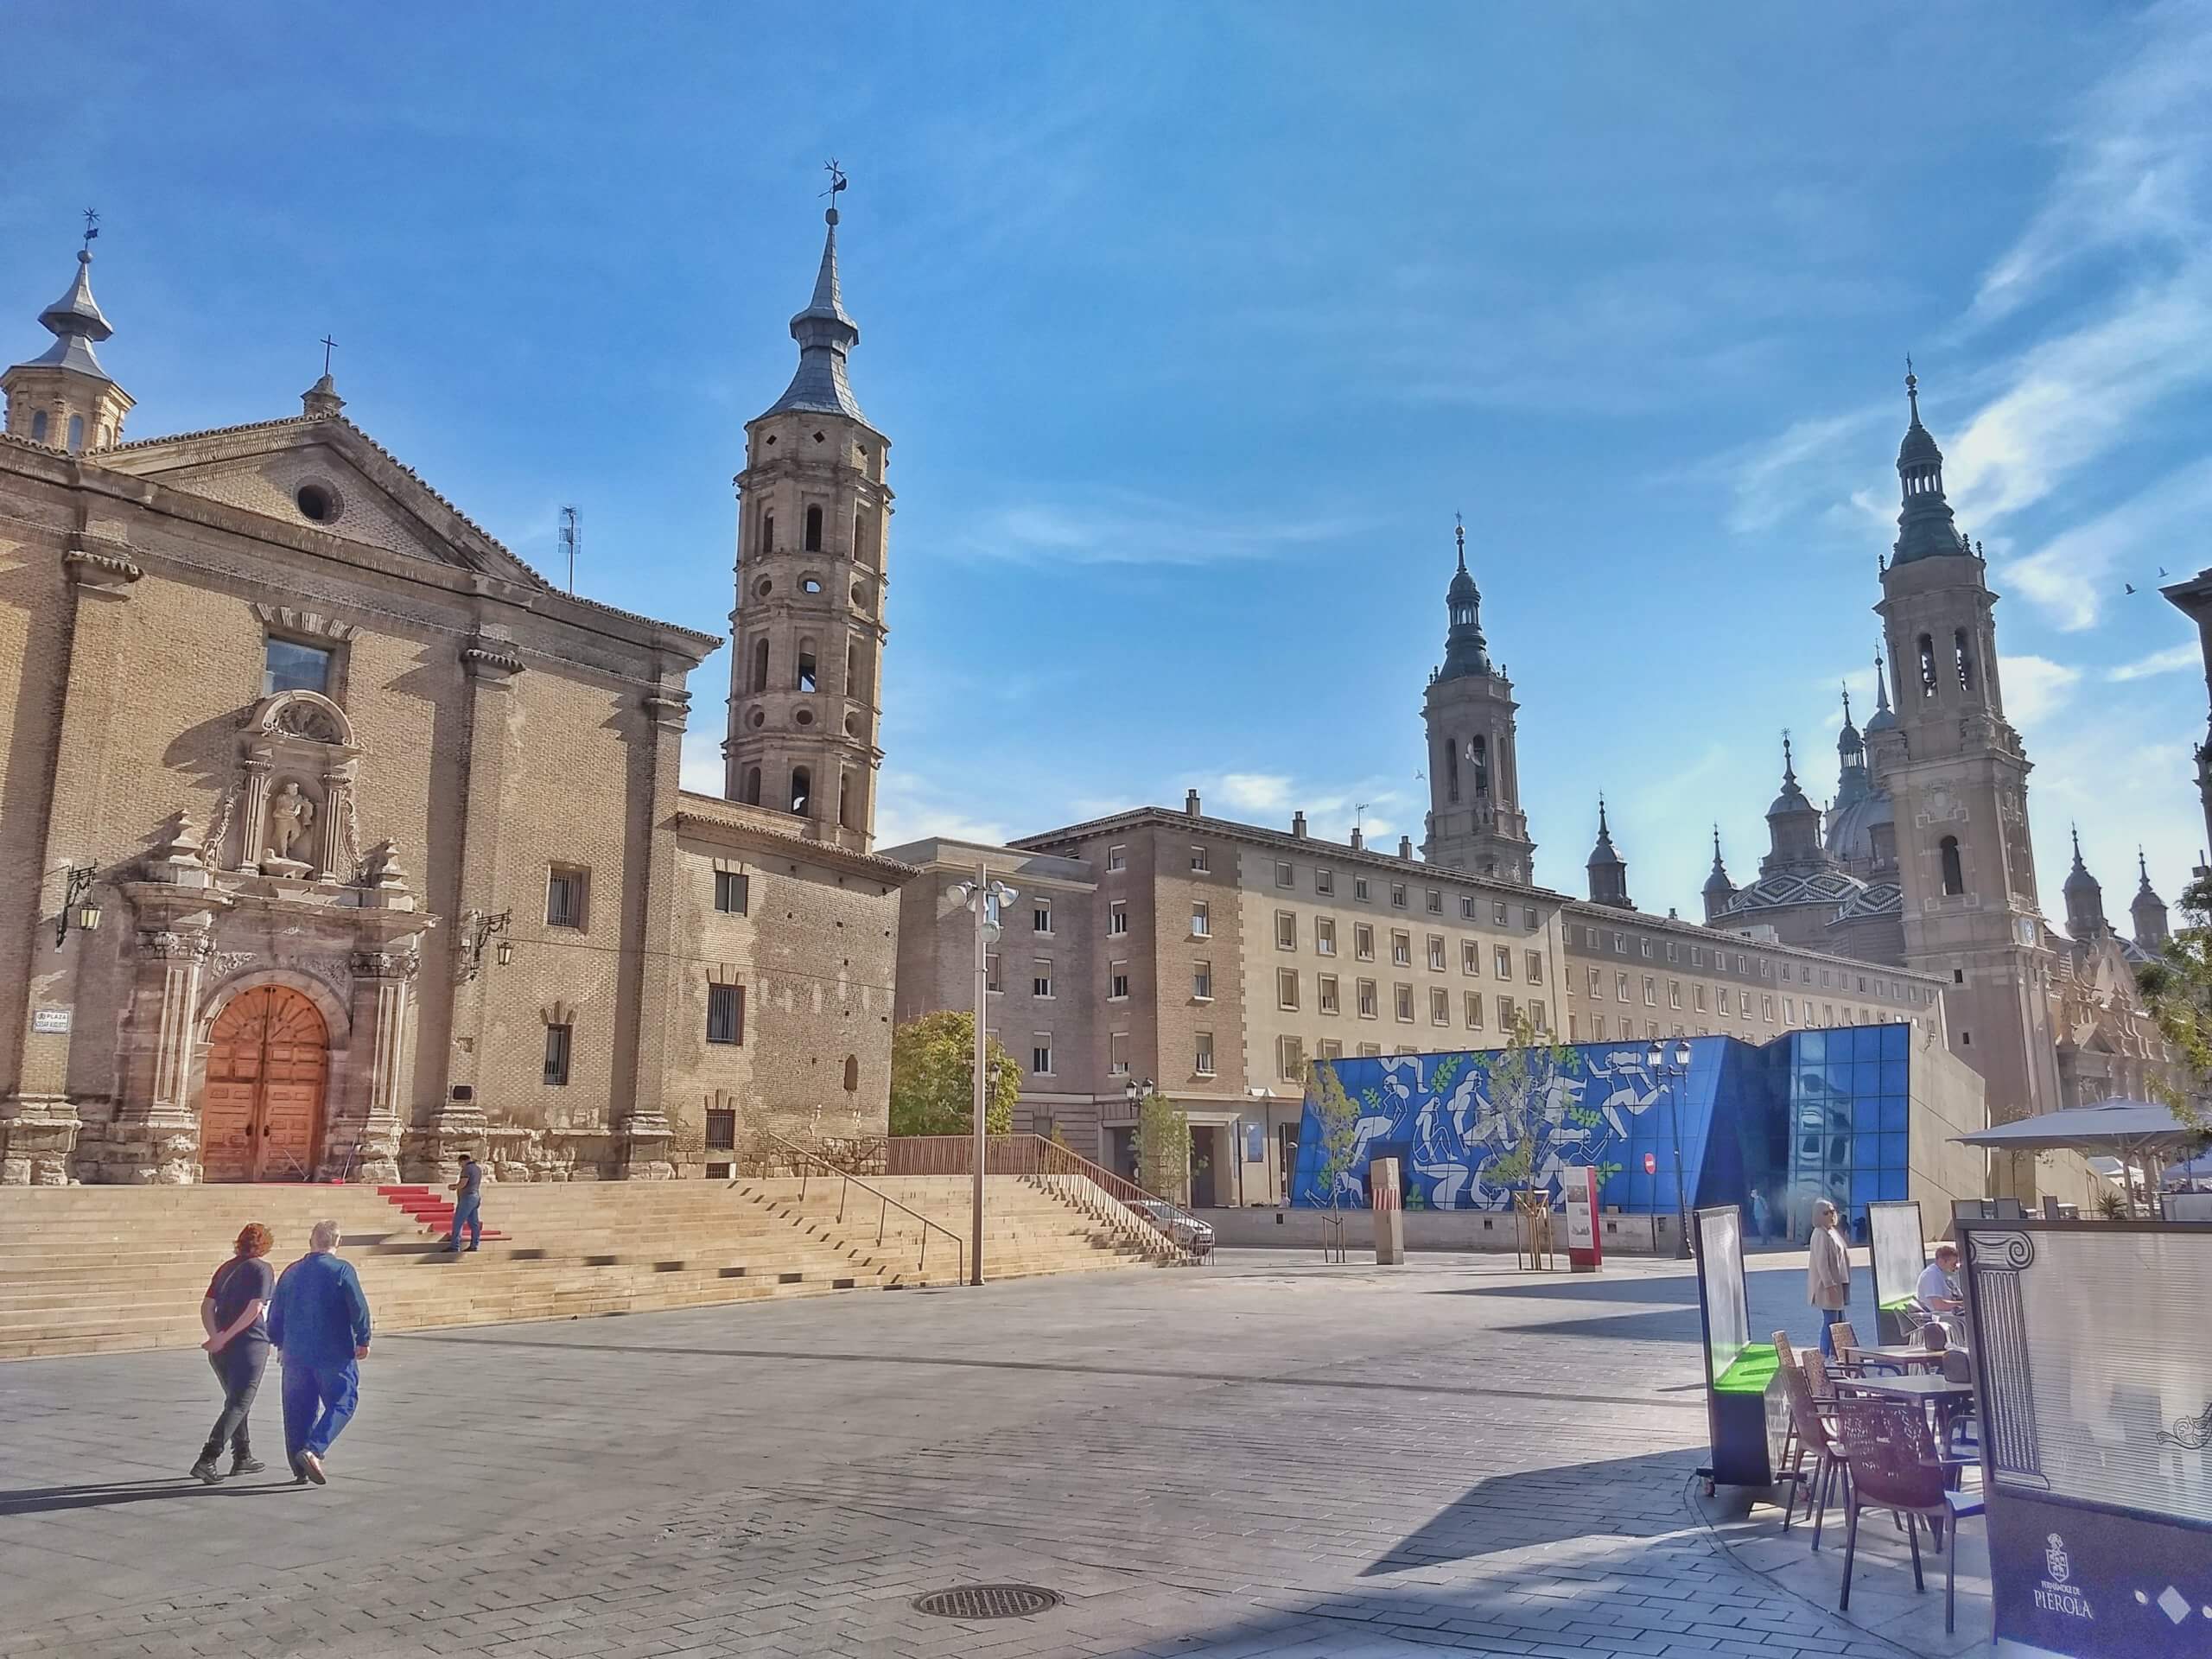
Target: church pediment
324	476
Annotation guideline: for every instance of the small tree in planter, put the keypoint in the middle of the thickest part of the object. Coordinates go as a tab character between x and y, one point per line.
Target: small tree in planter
1522	1077
1164	1148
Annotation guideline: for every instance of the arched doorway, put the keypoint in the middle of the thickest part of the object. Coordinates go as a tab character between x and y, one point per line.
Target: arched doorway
261	1112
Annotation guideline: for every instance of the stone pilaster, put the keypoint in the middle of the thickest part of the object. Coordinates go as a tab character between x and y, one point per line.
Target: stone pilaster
154	1139
648	1142
458	1123
365	1148
38	1119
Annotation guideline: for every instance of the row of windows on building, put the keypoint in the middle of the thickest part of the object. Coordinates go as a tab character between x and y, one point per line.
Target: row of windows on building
1596	938
568	886
725	1027
810	528
1730	1002
1362	889
1438	952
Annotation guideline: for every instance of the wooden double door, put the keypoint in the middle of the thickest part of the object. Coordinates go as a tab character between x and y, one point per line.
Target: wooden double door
261	1110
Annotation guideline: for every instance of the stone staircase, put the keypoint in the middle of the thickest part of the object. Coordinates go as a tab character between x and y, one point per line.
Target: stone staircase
91	1270
1028	1229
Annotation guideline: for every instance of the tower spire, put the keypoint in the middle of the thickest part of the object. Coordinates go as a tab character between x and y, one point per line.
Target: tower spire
1925	526
1608	872
825	333
63	396
1465	651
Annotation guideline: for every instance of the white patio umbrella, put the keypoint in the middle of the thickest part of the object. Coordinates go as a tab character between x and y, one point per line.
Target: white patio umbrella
2133	1131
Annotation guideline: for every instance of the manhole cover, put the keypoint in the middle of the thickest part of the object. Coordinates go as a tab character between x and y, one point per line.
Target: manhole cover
987	1601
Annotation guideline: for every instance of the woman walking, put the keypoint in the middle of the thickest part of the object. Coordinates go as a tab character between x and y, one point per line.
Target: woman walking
238	1347
1827	1272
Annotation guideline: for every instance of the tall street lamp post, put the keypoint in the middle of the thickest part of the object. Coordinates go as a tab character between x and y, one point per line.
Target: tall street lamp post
984	899
1673	1069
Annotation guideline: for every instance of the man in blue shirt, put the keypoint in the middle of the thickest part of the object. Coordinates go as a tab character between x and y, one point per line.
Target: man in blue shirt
319	1321
467	1205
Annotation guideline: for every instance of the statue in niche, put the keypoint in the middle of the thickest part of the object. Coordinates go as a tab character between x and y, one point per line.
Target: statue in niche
291	815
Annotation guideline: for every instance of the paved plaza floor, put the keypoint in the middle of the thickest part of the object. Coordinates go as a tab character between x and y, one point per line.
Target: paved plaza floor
1266	1456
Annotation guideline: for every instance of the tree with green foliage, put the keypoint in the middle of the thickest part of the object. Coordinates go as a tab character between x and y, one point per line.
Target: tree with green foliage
1164	1148
1522	1077
933	1078
2176	987
1336	1121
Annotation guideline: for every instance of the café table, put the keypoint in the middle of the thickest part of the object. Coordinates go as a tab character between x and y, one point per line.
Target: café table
1897	1355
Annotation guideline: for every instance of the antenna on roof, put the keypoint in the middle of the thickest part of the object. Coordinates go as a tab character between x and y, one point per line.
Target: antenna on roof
568	540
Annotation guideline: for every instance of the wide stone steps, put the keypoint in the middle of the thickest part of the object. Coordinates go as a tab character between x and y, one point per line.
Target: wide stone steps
94	1270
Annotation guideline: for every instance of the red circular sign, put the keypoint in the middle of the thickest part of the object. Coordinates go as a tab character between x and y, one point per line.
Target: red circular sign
1651	1163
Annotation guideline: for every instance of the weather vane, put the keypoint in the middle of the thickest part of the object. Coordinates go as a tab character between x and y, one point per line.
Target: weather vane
328	346
837	180
91	225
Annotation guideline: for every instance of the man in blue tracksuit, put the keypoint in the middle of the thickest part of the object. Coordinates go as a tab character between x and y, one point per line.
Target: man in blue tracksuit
319	1321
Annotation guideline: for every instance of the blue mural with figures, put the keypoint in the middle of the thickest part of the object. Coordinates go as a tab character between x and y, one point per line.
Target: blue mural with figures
1732	1124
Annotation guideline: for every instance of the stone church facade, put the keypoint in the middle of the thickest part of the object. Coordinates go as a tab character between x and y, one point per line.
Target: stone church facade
347	842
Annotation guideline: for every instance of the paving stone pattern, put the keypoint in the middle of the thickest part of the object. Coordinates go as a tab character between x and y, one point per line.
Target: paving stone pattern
1268	1456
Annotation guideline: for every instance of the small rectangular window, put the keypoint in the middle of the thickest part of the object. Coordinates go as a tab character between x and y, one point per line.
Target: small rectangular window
1435	901
557	1055
1501	961
1324	880
1539	1015
1284	876
1529	917
1201	981
1789	1010
1325	936
1470	956
1040	1055
1290	1055
1117	983
1359	888
1201	918
1367	1009
1325	992
1198	863
1439	1007
991	974
726	1013
1117	858
1620	988
721	1129
1505	1016
287	665
1202	1059
1535	964
733	892
1040	919
1363	942
1466	906
1041	977
1474	1010
1646	945
1287	988
1286	930
1397	895
1674	993
1117	1054
564	898
1650	992
1700	993
1401	949
1497	912
1404	998
1117	918
1597	981
1328	1050
1436	953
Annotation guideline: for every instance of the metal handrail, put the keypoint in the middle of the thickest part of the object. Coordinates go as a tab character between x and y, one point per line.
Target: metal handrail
885	1203
1038	1158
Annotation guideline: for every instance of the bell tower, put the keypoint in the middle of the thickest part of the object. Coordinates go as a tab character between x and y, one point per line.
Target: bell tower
806	657
63	398
1475	821
1959	777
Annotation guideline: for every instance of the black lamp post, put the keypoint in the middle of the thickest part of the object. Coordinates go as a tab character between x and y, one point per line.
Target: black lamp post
79	907
1672	1069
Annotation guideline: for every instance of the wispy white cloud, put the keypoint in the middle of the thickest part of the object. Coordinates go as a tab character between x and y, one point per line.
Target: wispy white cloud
700	768
1775	478
1255	792
2133	172
2172	660
909	807
2075	575
1119	527
2035	687
1333	808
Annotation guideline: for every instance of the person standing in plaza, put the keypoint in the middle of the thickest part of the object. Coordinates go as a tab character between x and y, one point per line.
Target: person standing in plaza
1827	1272
238	1348
467	1205
319	1320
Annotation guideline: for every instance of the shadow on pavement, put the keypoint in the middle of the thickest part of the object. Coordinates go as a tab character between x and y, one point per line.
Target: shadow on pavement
1633	1496
40	1500
1584	1287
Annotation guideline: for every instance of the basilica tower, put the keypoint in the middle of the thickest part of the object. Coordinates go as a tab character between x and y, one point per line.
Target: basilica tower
63	396
1958	777
806	638
1475	821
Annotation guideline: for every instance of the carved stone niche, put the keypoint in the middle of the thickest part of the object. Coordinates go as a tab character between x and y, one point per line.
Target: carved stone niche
292	813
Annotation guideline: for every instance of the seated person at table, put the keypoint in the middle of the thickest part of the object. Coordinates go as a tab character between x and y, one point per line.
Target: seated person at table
1938	1292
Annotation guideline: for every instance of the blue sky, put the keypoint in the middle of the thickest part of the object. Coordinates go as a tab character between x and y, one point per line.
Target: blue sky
1192	326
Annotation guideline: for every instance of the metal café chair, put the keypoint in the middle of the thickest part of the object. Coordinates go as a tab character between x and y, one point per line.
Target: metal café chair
1894	1466
1812	1435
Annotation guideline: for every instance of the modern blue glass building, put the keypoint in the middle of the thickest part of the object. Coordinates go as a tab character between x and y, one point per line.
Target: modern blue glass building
1813	1114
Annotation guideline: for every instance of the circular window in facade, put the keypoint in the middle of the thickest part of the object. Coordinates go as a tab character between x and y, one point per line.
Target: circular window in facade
852	724
804	716
760	588
809	584
317	503
760	717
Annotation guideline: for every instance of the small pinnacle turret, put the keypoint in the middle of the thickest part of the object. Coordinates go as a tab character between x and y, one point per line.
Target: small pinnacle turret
1925	526
2085	897
64	396
1608	872
825	335
2152	927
